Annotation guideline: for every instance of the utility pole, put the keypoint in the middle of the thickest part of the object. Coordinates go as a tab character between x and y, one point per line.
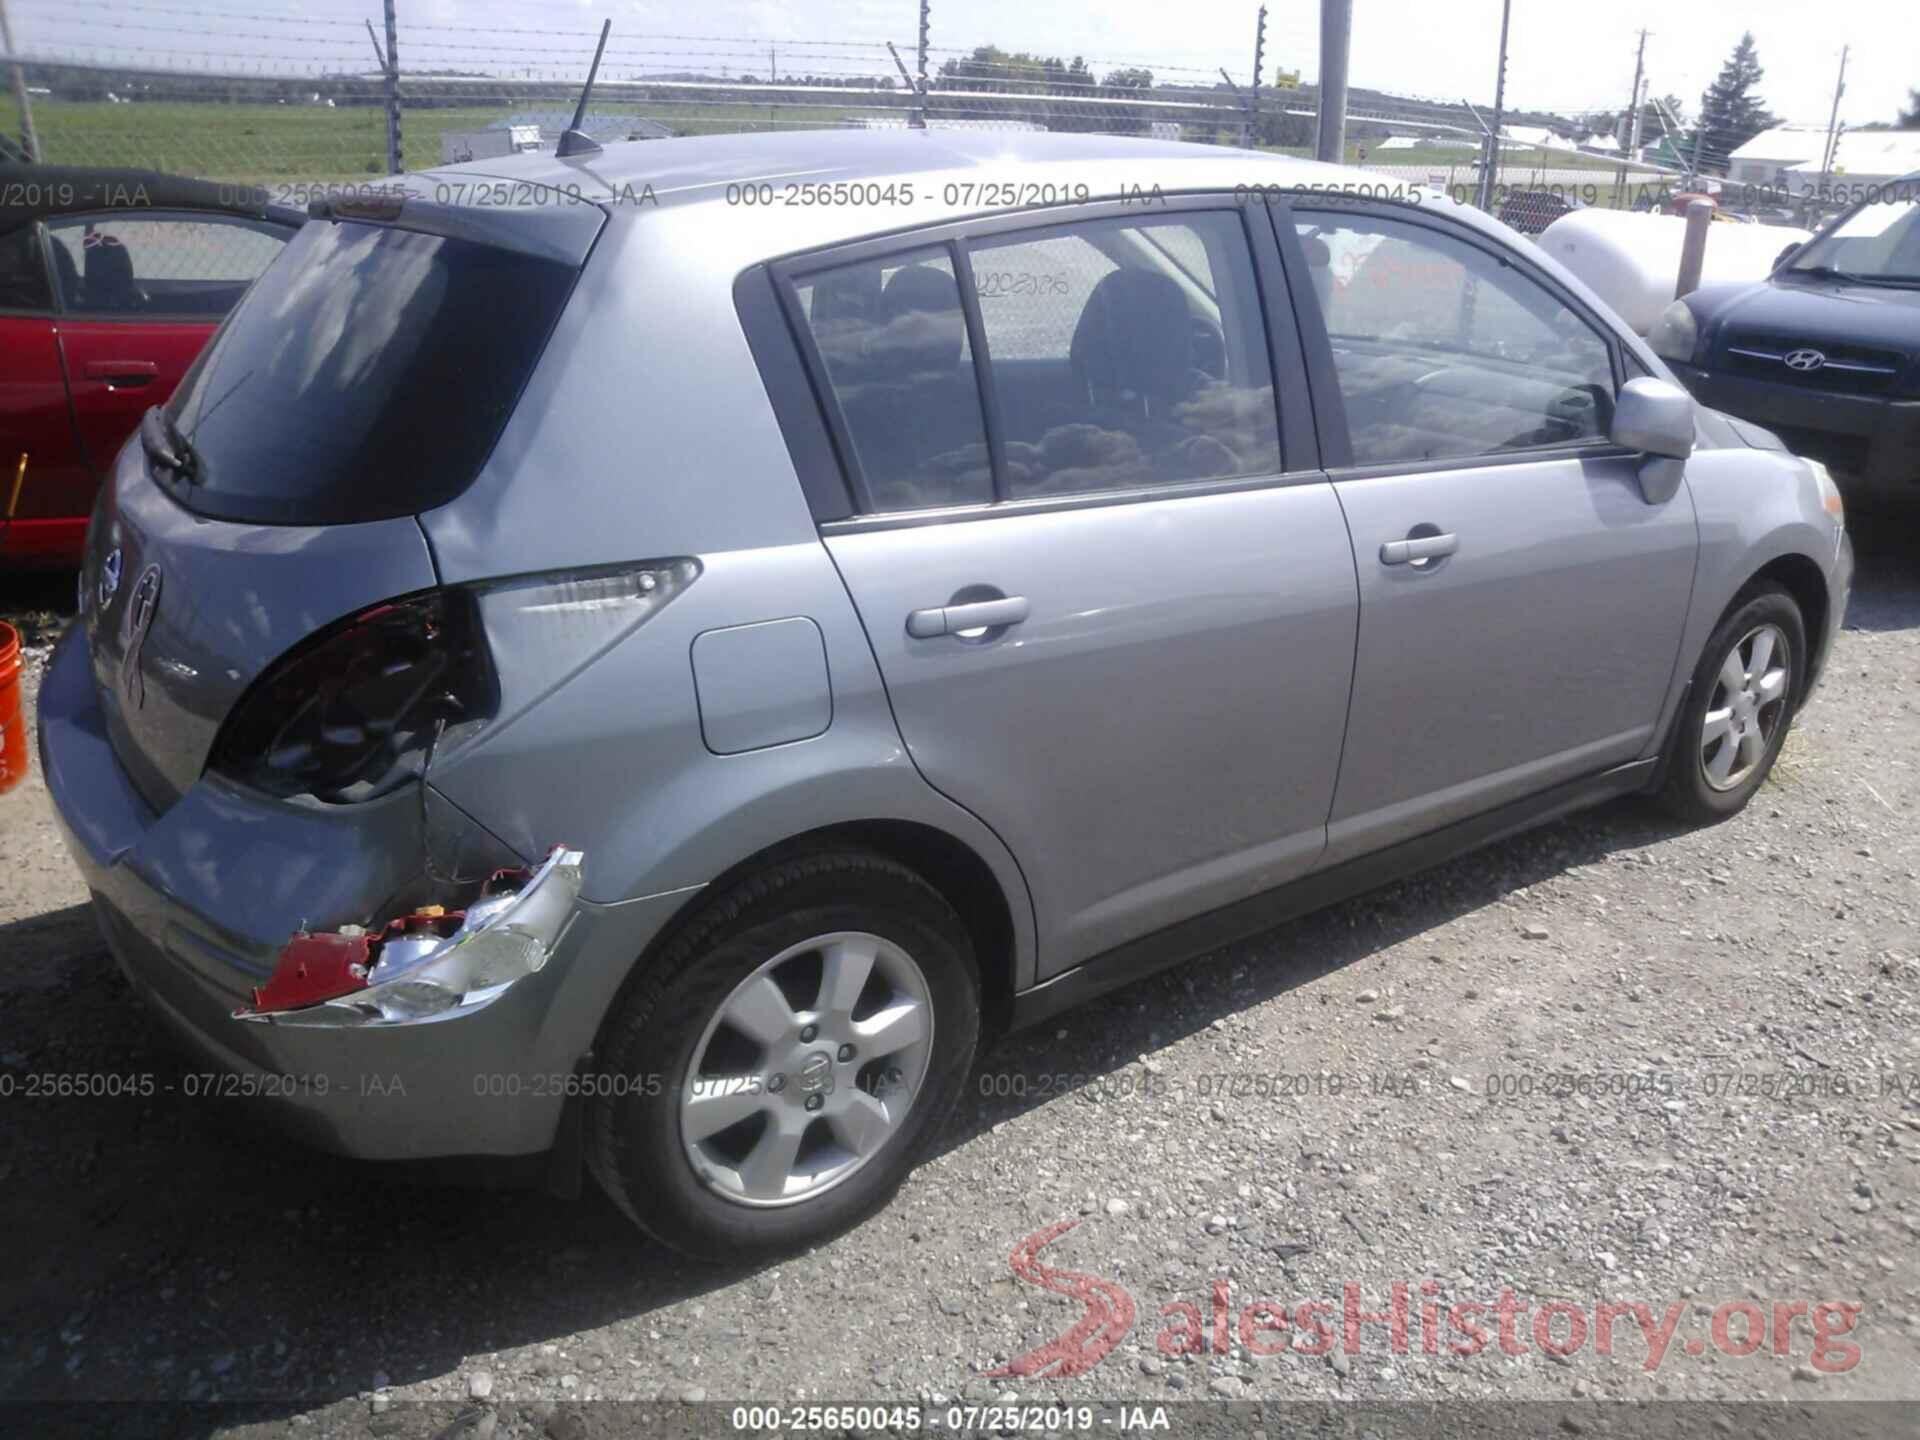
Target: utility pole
1831	153
1336	33
1259	60
1490	175
1633	123
395	165
920	71
27	135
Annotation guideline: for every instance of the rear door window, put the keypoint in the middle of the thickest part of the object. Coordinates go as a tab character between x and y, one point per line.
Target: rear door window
367	374
171	264
1126	353
1121	353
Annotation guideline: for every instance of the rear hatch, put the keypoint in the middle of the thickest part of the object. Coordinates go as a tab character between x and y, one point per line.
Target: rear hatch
364	378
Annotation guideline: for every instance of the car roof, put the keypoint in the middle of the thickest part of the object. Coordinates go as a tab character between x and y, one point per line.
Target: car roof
956	174
686	165
38	192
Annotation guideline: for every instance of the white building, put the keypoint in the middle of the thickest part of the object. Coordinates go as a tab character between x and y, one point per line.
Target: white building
1863	158
899	120
459	146
1424	142
540	131
1768	156
1790	157
1530	137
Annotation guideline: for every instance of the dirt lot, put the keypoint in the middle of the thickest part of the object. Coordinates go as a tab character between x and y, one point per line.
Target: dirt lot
1605	1063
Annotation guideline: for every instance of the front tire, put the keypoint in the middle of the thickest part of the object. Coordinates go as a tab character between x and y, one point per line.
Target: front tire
1738	708
789	1052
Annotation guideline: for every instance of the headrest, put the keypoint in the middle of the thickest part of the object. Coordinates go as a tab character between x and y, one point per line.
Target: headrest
844	318
923	327
109	274
1135	339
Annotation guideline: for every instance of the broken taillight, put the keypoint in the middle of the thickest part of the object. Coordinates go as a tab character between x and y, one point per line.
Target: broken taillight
367	704
428	963
354	711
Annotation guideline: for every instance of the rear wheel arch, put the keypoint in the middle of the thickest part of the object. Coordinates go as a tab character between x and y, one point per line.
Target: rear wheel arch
953	868
798	904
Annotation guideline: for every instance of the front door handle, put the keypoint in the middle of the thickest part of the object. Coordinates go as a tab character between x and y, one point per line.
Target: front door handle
981	615
1418	548
122	373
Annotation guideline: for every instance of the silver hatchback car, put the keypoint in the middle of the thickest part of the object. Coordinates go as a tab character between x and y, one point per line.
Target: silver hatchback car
637	662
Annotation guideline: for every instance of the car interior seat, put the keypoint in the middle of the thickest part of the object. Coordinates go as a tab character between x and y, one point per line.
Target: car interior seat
109	282
68	274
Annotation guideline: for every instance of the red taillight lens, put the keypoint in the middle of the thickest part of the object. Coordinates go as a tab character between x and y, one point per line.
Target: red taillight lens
355	710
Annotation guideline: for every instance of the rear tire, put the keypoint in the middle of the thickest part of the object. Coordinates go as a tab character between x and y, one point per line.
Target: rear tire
1738	708
770	1097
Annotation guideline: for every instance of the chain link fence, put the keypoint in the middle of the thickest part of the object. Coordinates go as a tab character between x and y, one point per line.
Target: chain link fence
290	100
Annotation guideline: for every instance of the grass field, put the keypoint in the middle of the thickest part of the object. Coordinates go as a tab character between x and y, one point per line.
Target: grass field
254	142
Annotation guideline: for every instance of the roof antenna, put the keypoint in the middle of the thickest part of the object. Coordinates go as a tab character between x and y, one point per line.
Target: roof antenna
574	140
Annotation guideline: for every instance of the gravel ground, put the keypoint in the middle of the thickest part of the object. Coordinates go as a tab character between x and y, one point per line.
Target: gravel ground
1705	1047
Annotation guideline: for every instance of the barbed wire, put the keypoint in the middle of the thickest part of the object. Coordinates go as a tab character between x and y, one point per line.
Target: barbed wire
32	8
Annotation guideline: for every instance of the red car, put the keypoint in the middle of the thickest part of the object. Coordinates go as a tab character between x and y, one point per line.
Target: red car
110	283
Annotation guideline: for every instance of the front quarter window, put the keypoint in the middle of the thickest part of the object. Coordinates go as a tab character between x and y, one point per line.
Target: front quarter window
1444	350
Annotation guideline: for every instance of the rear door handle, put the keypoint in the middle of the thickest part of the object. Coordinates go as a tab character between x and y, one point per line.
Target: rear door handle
119	373
1423	547
981	615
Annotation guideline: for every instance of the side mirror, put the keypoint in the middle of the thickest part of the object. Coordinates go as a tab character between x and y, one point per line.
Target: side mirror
1787	254
1656	418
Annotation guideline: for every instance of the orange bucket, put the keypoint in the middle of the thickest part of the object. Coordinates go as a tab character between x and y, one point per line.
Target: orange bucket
13	719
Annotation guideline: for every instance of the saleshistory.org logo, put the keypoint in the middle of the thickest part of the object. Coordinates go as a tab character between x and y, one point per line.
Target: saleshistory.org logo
1108	1319
1559	1328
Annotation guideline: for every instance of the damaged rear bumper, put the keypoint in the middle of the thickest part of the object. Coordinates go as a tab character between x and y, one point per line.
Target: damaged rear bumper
198	903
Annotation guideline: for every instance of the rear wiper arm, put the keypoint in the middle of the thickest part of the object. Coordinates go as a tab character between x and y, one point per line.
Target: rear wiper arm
165	445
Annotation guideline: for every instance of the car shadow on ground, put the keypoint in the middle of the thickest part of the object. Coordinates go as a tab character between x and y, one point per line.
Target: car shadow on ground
179	1251
168	1249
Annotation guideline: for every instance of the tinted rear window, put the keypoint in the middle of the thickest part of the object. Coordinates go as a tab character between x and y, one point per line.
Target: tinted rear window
367	374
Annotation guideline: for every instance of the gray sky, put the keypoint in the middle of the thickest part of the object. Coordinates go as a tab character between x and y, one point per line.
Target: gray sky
1565	56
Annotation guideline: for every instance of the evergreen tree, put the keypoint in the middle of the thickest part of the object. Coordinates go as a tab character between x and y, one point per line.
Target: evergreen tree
1730	112
1910	117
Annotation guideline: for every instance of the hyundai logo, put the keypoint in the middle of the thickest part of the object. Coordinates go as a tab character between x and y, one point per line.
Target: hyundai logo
109	577
1804	360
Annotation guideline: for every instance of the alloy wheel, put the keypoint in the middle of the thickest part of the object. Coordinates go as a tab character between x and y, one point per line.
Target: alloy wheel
1747	707
807	1069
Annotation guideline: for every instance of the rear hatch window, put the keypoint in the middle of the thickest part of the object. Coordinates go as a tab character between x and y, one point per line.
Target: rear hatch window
365	375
